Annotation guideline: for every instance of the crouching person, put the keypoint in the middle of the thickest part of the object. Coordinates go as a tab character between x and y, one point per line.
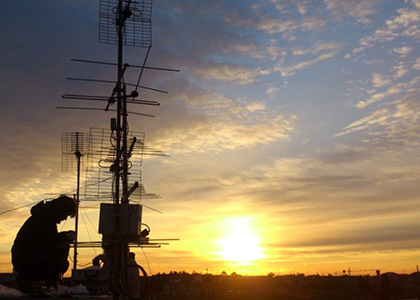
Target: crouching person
39	251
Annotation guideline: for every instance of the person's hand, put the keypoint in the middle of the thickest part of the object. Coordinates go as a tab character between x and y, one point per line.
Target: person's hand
71	235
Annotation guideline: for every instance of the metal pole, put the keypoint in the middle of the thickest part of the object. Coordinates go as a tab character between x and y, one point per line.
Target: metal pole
124	147
120	249
78	158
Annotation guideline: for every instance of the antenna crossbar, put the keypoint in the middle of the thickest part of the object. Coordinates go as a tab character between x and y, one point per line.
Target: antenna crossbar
113	82
130	66
104	98
95	108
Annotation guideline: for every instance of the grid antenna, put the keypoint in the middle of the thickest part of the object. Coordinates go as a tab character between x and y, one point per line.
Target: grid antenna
101	160
73	145
136	17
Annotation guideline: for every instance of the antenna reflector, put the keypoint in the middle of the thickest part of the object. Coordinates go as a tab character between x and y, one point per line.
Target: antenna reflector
134	16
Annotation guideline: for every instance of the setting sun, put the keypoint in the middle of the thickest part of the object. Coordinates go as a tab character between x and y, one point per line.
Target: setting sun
282	141
240	244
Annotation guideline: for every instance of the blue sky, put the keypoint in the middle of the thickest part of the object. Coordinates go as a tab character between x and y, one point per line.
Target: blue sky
299	118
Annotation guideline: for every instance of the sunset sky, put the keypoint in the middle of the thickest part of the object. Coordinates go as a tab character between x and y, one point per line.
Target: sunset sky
292	130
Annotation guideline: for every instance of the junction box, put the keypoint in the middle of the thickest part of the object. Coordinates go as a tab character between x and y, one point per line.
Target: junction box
125	217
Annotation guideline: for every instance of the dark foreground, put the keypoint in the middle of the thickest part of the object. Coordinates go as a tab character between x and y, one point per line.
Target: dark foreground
388	286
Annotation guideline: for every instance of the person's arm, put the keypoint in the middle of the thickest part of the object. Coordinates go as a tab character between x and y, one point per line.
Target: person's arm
67	236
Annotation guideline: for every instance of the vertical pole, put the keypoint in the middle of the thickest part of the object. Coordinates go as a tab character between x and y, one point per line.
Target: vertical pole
78	158
120	249
124	146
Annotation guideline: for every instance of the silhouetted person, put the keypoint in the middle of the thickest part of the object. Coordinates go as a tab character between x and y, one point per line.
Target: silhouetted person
40	251
133	273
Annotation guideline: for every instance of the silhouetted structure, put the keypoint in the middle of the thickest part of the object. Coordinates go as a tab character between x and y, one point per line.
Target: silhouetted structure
287	287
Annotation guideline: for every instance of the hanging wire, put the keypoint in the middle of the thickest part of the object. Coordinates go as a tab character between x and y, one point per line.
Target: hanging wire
147	261
90	221
70	258
90	238
13	209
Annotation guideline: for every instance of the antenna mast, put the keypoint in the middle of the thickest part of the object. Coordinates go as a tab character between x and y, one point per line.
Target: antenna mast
133	26
121	23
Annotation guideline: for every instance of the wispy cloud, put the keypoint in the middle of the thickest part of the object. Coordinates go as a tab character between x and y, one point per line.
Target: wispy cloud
250	129
379	80
405	23
223	123
359	10
395	122
291	70
403	51
389	94
416	65
354	186
228	73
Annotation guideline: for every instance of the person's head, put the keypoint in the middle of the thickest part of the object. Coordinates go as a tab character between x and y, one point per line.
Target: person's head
63	207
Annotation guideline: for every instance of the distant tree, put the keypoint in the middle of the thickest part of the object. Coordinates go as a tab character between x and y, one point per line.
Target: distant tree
223	273
271	275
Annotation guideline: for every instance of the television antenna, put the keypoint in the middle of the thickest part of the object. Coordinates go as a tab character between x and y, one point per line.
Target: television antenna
101	163
125	22
73	145
122	23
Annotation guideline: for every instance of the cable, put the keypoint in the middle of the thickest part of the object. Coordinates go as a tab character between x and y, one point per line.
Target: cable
90	221
13	209
90	238
147	261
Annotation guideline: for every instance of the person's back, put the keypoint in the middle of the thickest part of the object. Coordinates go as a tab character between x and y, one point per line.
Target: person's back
36	235
39	251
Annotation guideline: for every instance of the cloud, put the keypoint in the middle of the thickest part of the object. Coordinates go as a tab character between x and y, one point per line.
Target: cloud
272	90
359	10
229	73
378	117
393	123
222	123
311	55
317	48
259	52
287	71
354	51
403	51
390	93
358	190
406	23
301	17
379	80
416	65
231	126
399	70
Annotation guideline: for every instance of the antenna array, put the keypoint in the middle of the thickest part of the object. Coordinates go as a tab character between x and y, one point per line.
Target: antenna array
101	159
136	17
114	156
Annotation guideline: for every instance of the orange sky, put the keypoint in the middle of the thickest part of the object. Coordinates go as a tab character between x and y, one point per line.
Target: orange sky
292	130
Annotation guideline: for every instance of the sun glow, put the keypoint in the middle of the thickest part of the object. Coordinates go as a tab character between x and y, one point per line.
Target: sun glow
240	244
